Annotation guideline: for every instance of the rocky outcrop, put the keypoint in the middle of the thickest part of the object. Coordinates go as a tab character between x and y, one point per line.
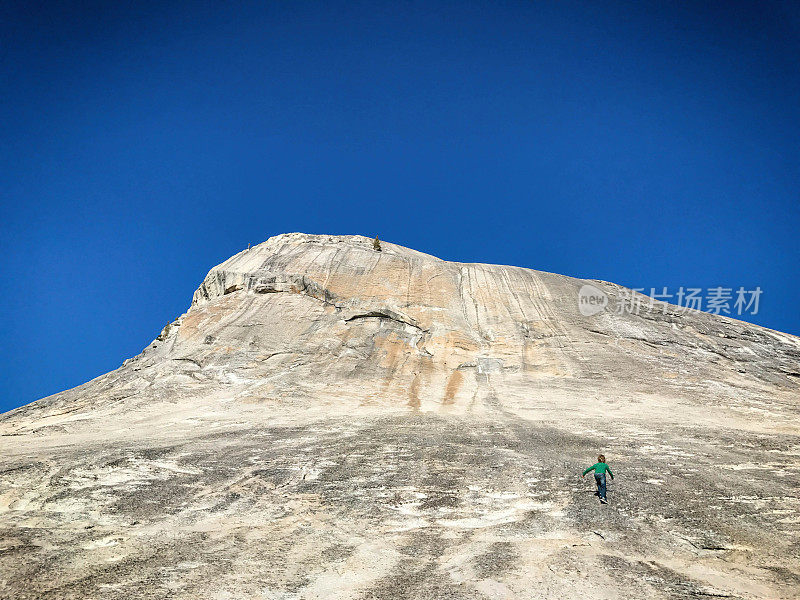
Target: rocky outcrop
327	420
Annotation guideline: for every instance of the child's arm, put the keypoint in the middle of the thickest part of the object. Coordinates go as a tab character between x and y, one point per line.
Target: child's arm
589	469
609	472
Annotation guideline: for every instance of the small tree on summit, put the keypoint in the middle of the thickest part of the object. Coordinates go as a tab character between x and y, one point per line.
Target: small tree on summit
376	244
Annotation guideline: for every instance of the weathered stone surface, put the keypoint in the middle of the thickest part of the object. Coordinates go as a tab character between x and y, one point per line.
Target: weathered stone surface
328	421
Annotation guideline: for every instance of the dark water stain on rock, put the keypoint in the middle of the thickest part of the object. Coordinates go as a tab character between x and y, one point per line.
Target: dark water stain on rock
498	560
453	385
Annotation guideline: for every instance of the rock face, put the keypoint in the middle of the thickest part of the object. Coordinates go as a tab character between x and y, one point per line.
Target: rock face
330	421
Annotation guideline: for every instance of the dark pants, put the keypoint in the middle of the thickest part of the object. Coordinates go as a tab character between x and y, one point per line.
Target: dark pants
600	479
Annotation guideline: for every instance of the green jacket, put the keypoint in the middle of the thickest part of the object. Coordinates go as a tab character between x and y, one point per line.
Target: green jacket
600	468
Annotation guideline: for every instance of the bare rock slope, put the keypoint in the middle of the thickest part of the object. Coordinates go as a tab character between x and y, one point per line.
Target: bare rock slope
329	421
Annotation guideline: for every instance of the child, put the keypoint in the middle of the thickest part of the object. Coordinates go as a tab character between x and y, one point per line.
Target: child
600	468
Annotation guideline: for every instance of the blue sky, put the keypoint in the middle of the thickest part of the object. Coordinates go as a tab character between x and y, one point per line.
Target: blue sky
649	144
